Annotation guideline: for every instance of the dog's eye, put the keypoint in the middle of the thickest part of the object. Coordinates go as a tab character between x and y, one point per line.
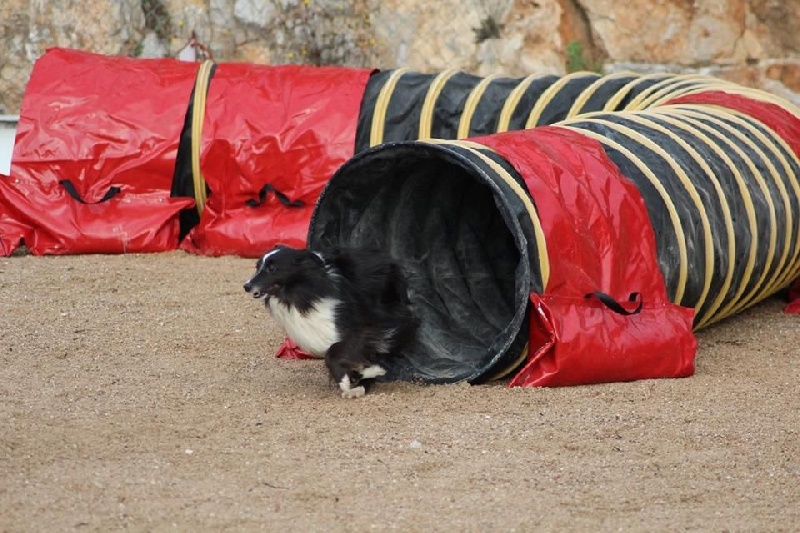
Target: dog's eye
271	267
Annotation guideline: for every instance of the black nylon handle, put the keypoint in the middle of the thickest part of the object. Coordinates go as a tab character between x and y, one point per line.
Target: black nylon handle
617	307
282	198
72	191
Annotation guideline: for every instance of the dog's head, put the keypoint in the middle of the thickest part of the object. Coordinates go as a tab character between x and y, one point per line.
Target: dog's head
278	270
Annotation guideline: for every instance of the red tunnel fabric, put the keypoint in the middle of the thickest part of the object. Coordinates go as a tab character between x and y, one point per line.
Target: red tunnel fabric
599	238
285	127
12	231
125	117
777	118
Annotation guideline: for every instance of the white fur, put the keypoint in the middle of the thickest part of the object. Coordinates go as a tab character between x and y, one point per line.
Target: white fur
385	346
348	392
356	392
373	372
314	331
270	253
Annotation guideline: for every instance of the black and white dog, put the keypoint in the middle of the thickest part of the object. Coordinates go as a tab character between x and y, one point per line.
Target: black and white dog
348	306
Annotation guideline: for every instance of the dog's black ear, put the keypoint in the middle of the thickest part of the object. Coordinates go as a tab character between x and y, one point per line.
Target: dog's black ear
319	258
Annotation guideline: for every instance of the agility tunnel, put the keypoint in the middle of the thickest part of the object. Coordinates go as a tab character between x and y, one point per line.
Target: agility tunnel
118	155
586	251
556	230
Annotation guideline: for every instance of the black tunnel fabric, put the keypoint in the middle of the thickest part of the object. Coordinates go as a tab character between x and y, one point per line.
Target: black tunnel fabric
401	104
597	95
186	180
460	224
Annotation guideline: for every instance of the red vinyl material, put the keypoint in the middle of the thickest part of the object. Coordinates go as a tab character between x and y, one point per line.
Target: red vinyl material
599	238
12	231
290	350
287	126
99	122
781	121
793	306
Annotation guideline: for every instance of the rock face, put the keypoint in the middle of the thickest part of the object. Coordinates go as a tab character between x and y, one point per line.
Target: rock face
755	42
29	27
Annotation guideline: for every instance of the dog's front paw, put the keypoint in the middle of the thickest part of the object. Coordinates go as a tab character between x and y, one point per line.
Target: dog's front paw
355	392
348	391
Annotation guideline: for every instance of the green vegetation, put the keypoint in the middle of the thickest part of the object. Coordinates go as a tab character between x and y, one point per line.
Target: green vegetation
576	61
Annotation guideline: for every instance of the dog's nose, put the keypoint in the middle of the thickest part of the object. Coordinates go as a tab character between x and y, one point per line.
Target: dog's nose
247	287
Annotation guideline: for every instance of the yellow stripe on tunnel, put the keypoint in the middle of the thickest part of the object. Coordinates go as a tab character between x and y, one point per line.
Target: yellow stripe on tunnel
382	105
198	118
429	105
550	93
471	105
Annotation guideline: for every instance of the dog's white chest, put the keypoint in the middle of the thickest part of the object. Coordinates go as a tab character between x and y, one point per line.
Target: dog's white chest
314	331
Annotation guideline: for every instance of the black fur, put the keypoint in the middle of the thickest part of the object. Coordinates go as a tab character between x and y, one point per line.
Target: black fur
373	317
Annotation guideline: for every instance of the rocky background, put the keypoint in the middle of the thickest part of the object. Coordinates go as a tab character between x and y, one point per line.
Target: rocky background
754	42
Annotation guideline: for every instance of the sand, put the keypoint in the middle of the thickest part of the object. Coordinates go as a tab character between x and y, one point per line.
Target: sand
142	392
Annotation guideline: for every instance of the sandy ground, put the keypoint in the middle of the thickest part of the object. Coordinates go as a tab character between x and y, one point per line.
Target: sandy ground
141	392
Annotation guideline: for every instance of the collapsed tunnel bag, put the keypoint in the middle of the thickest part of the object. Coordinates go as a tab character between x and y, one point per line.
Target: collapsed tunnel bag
121	155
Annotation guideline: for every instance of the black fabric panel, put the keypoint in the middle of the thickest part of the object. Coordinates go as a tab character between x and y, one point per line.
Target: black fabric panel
604	93
182	182
405	106
736	205
487	112
771	150
635	91
761	205
452	226
559	105
676	86
403	112
450	105
532	94
689	215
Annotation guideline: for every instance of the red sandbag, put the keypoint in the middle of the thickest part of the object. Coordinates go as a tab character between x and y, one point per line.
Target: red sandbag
282	130
793	306
12	231
599	239
95	150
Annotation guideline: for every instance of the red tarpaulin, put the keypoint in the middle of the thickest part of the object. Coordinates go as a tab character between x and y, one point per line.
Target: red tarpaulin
272	138
95	151
599	237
